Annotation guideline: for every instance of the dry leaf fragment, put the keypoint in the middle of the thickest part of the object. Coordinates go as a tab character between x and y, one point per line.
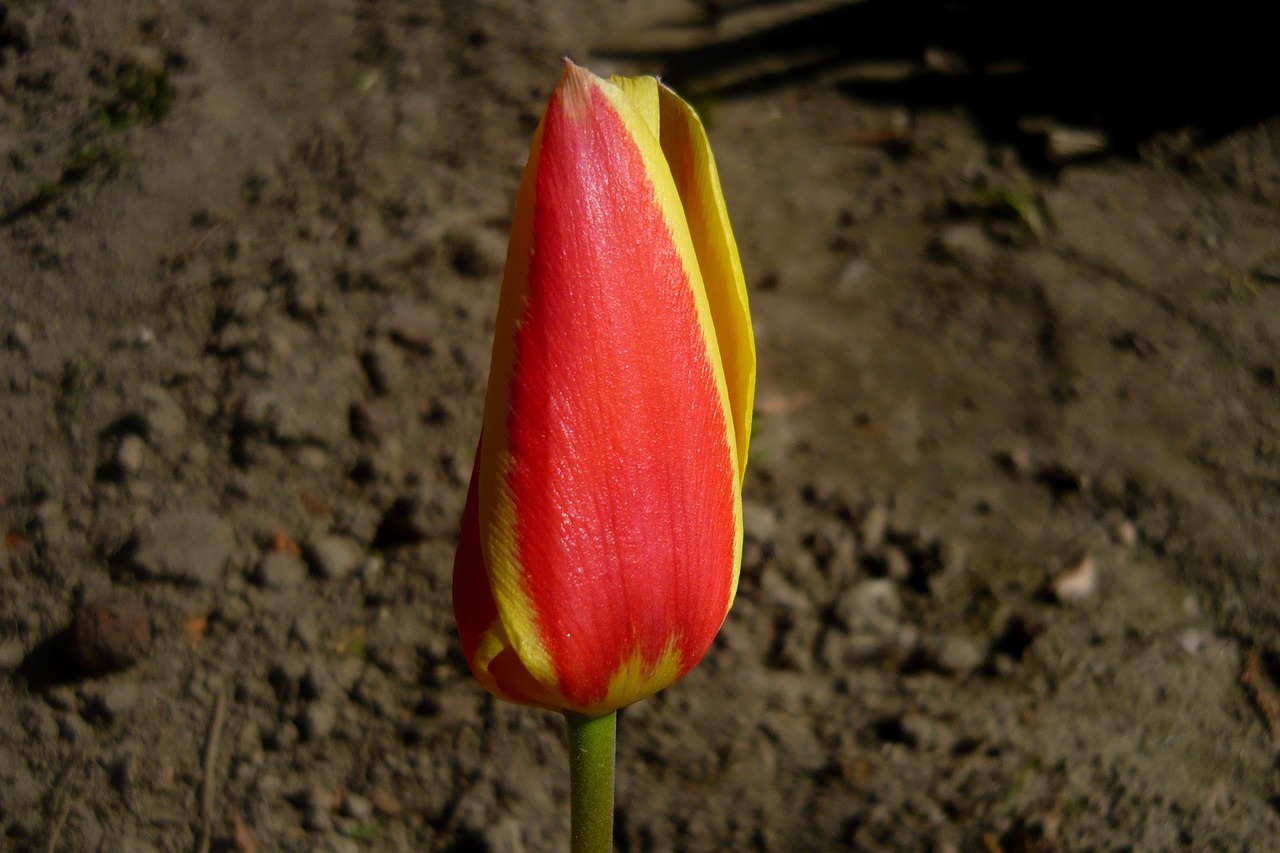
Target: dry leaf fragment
280	541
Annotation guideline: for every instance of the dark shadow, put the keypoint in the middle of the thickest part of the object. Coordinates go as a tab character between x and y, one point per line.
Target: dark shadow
1129	69
51	664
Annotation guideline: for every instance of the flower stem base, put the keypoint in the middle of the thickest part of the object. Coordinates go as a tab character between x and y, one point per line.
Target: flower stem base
591	761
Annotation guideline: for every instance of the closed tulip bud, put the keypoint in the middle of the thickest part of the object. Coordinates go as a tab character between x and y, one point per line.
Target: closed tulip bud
602	533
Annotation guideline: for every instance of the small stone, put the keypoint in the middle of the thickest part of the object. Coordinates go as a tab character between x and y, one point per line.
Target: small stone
897	565
955	654
414	517
1126	533
384	365
927	734
306	630
875	524
346	672
162	417
372	420
249	303
191	546
1078	583
21	337
356	807
130	454
386	802
475	254
967	244
232	611
281	570
504	836
852	278
114	701
334	557
411	324
872	606
1017	461
1193	640
318	720
318	819
110	632
11	655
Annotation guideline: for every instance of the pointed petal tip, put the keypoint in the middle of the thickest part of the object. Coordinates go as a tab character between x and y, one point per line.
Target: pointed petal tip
574	90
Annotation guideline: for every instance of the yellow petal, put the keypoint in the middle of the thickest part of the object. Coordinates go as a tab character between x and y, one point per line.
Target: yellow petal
688	153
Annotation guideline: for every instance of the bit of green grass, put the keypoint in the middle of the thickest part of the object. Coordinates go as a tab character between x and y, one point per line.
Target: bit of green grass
137	96
365	832
1019	200
1025	774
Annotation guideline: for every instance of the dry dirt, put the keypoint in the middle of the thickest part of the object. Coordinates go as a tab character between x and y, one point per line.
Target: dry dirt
1011	578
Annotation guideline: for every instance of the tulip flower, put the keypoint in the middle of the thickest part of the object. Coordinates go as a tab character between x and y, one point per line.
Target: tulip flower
602	532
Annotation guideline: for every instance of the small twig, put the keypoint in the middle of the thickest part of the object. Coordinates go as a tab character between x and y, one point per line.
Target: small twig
1264	694
210	768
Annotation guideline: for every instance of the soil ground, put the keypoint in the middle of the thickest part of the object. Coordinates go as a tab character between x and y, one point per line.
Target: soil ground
1012	570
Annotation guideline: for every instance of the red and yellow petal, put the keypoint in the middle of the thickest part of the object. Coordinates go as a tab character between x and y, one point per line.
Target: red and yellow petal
693	169
608	517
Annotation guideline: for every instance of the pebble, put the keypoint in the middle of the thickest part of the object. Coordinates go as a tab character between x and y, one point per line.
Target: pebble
411	324
852	278
317	720
897	565
475	254
386	802
875	525
110	632
504	836
130	454
340	844
413	517
310	414
796	739
872	606
357	807
1126	533
163	419
955	654
306	630
191	546
281	570
12	653
384	365
372	420
21	337
967	244
1077	584
113	701
334	557
318	819
928	734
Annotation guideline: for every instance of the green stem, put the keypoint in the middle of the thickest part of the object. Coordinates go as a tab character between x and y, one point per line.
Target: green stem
591	758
